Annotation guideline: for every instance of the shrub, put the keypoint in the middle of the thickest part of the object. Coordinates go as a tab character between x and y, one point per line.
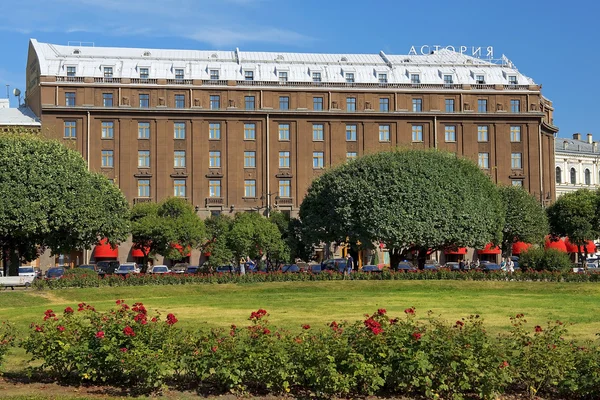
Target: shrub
7	339
545	260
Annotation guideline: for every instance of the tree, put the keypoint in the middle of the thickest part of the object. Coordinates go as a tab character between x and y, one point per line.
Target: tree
411	200
49	199
217	228
574	215
291	233
159	228
525	218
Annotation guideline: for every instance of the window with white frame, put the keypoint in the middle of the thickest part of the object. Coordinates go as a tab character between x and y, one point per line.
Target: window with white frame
179	130
450	133
179	187
515	133
143	130
417	133
214	130
143	186
250	131
248	75
108	72
107	159
71	71
144	73
515	161
350	132
250	188
318	132
179	159
283	76
179	74
351	155
284	132
349	77
417	105
214	159
351	104
316	77
214	74
70	129
483	160
318	160
285	188
249	159
214	188
284	159
382	78
384	133
482	133
143	159
384	104
415	79
215	102
108	128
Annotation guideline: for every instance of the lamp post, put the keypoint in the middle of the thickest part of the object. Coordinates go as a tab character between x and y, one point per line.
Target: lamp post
268	198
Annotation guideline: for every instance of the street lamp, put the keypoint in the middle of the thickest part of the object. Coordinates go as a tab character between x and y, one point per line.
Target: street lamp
268	198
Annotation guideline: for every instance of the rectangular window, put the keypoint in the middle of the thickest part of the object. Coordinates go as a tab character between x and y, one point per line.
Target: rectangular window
515	161
449	105
214	159
249	75
214	131
515	133
70	99
318	159
107	99
482	133
285	187
71	71
349	77
318	132
450	133
108	72
351	104
384	133
384	104
249	102
415	79
144	100
107	159
249	131
70	129
179	101
283	76
417	105
249	159
284	103
512	80
144	73
143	188
179	130
351	133
448	80
417	133
316	77
284	132
480	79
515	106
143	130
179	74
215	102
382	78
481	105
143	159
179	159
284	159
351	155
517	182
214	188
250	188
179	188
483	160
108	128
214	74
318	103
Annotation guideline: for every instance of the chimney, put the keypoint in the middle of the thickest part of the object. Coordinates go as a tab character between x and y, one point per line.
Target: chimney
577	136
595	147
589	138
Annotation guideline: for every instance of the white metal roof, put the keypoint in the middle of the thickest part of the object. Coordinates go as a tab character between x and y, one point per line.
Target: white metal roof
22	116
197	64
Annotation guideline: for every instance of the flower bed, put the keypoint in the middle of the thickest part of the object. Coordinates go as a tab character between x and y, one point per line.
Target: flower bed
92	280
379	355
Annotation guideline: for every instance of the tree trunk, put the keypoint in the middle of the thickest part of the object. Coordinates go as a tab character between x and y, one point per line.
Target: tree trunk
395	258
15	262
421	257
5	260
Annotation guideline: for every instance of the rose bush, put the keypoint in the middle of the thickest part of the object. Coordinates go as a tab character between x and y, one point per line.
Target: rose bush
7	339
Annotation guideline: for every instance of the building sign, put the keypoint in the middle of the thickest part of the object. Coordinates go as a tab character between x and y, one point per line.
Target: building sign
474	51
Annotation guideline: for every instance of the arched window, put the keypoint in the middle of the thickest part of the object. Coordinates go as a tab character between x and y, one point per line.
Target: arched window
558	175
573	176
588	177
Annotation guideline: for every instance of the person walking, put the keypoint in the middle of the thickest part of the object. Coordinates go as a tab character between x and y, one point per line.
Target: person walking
349	265
510	265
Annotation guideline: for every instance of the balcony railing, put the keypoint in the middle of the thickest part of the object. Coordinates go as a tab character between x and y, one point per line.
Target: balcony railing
107	80
144	81
179	81
285	201
142	200
214	82
70	79
214	201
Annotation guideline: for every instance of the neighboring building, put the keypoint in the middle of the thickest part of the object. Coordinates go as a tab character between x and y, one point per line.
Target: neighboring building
22	117
577	164
233	131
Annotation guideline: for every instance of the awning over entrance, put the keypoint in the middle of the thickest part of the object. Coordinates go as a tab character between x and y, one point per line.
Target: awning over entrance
519	247
460	251
104	250
489	249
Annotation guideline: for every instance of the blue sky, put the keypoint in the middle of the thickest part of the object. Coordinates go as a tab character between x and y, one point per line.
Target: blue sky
554	42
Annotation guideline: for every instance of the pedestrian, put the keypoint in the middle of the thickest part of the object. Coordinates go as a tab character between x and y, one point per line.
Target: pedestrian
349	265
503	265
510	265
461	265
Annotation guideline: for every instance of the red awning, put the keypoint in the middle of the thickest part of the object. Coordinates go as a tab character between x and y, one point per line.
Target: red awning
180	248
590	247
490	249
519	247
461	251
557	244
137	252
104	250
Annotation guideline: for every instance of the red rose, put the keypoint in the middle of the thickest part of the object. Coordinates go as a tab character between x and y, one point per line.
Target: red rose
266	331
123	349
171	320
460	323
410	311
128	331
68	310
214	349
381	311
306	326
504	364
60	328
416	335
538	328
100	335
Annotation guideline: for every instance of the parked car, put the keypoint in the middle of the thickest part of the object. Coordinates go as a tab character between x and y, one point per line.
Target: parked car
127	268
107	267
27	271
370	268
226	269
179	268
159	269
90	267
55	273
290	268
334	264
453	266
487	267
405	266
192	269
315	268
431	265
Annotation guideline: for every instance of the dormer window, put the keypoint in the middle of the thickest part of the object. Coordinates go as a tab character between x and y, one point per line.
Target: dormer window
108	72
448	80
179	74
249	75
382	78
144	73
415	78
480	79
349	77
316	77
283	76
512	80
214	74
71	71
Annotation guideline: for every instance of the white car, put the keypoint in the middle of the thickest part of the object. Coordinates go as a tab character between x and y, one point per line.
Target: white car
159	269
127	268
27	270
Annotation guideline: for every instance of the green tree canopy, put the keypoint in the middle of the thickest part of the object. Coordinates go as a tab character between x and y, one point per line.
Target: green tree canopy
158	228
49	199
525	218
217	228
419	200
574	215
